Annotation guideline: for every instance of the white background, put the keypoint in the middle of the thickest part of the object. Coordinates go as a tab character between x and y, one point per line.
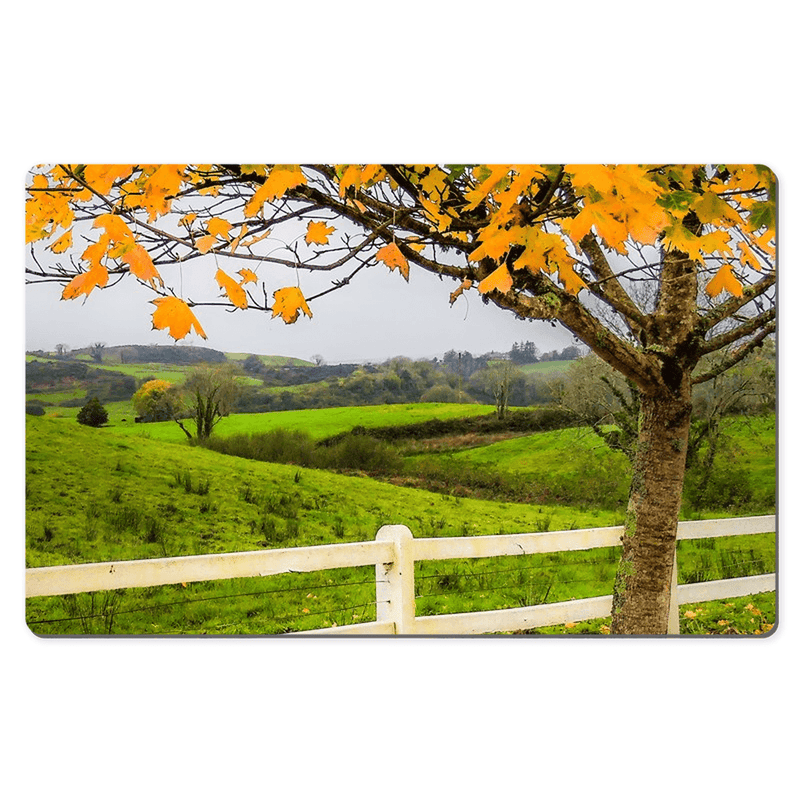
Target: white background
415	82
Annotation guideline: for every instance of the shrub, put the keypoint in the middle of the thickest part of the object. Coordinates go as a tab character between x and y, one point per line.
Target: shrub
93	414
34	409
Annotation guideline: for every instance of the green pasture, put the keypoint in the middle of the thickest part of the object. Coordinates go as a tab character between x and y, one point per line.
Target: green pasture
99	494
318	423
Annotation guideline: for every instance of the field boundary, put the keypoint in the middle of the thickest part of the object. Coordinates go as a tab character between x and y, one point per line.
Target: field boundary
394	553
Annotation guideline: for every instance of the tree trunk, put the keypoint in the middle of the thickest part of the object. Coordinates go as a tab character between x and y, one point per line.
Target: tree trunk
642	588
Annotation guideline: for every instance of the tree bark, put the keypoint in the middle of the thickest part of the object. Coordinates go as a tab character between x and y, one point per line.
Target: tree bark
642	588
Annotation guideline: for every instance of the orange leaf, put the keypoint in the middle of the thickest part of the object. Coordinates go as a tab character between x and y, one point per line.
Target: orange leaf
289	302
205	243
463	286
234	290
63	243
116	228
494	243
281	178
101	177
393	258
217	226
500	279
138	259
724	279
173	313
318	233
85	282
678	237
248	276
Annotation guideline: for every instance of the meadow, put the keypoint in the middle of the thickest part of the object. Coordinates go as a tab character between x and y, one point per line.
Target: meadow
140	491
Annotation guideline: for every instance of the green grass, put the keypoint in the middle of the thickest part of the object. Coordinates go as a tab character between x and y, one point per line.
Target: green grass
97	495
113	497
319	423
545	368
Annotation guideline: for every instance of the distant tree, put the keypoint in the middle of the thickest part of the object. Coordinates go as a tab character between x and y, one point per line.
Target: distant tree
207	395
62	349
93	414
96	351
498	379
318	359
524	353
156	401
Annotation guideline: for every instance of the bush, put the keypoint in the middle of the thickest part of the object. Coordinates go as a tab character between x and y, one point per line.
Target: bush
93	414
34	409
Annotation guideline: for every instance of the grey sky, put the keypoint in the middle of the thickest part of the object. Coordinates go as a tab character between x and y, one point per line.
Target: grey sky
378	316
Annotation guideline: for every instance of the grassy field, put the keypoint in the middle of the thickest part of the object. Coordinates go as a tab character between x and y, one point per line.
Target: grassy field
114	495
317	422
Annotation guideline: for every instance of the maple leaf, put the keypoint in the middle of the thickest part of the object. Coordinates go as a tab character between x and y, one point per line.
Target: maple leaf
85	282
94	252
500	280
205	243
63	243
248	276
678	237
724	279
490	177
141	265
462	287
747	256
281	178
495	243
716	242
173	313
101	177
712	209
217	226
289	302
591	176
236	294
115	227
318	233
393	258
572	282
160	189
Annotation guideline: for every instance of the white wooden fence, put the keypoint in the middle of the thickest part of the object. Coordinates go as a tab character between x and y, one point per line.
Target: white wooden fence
393	552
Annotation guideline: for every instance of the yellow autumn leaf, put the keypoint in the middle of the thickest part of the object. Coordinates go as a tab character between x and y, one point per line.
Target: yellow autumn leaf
217	226
94	252
174	314
115	227
678	237
495	243
318	233
281	178
63	243
393	258
101	177
248	276
141	265
724	280
288	303
85	282
205	243
236	294
494	174
499	280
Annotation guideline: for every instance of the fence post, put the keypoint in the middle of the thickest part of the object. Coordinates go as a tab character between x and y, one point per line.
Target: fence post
394	582
674	621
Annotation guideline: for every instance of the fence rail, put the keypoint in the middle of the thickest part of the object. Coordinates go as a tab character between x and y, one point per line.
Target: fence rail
393	553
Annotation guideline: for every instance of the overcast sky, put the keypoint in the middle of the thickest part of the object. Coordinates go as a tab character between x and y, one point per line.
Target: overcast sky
376	317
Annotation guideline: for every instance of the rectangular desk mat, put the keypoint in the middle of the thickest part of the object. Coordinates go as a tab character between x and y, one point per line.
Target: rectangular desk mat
400	399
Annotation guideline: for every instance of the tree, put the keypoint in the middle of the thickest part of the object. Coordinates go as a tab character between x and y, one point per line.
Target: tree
570	244
207	395
156	401
93	414
497	380
96	351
